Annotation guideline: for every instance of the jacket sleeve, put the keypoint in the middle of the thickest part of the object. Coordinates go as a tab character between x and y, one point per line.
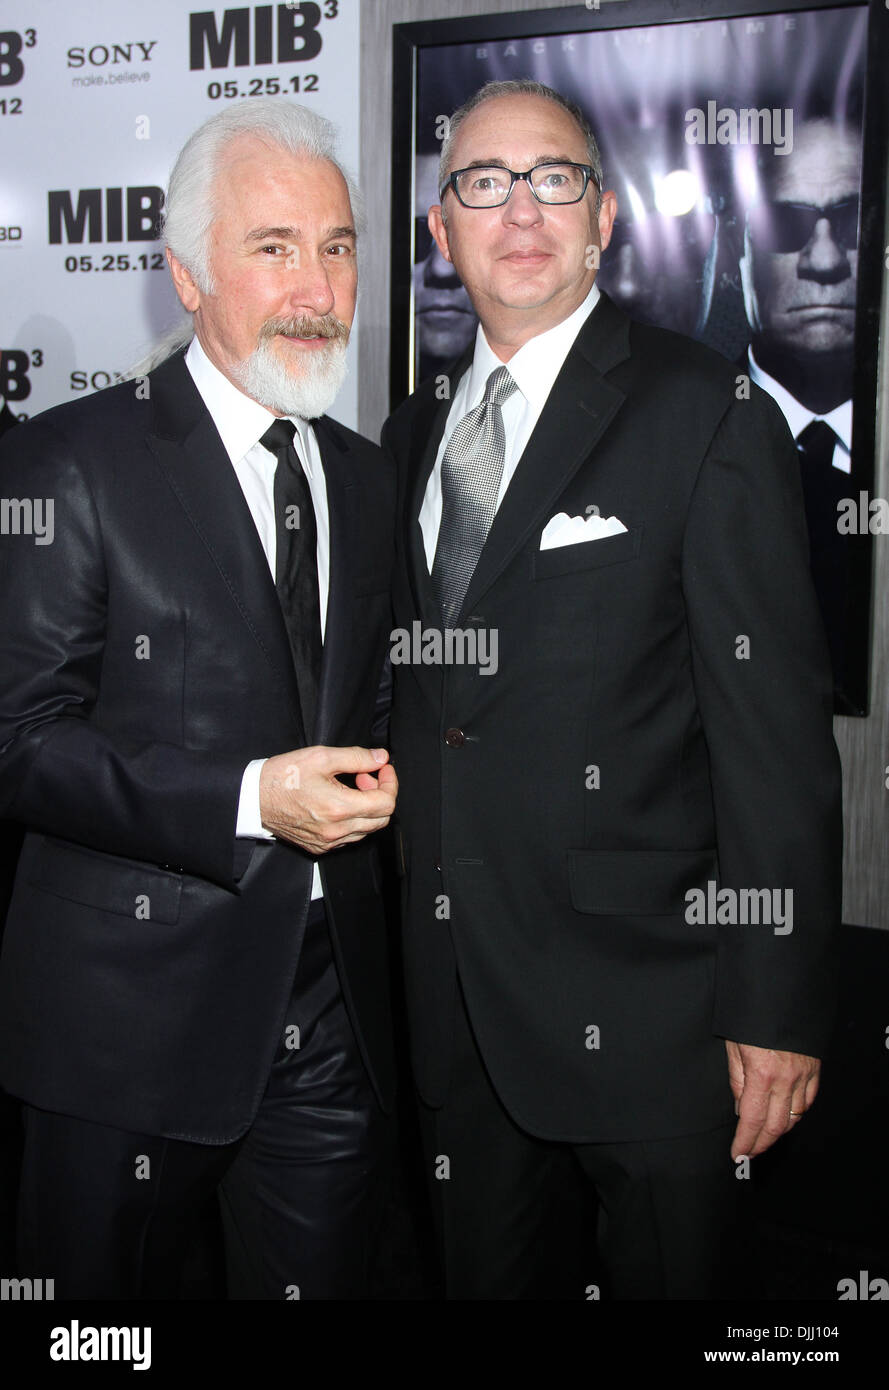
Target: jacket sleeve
61	773
764	691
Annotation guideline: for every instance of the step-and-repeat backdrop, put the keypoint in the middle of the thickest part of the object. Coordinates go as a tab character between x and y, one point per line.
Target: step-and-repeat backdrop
96	99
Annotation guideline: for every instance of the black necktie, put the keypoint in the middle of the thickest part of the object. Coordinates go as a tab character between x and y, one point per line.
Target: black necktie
816	443
296	566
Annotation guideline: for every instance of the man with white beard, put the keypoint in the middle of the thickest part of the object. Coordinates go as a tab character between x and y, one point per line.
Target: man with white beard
193	988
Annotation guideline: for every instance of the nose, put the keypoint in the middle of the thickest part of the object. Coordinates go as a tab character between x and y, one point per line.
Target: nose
438	271
521	208
822	258
311	289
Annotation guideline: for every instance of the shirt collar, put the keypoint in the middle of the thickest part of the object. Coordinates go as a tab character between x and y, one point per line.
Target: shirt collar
240	420
796	414
537	363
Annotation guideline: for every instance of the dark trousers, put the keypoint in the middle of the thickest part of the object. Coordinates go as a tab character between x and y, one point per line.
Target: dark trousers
671	1212
111	1214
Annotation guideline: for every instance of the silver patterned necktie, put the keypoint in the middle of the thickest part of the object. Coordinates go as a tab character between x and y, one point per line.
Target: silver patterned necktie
470	481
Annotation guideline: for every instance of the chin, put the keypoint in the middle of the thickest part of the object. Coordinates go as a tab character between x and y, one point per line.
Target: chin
300	382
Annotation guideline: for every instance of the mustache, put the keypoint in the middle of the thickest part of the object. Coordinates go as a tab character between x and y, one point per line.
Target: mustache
303	326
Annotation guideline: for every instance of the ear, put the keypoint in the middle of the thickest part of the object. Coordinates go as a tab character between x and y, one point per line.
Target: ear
439	231
186	288
607	214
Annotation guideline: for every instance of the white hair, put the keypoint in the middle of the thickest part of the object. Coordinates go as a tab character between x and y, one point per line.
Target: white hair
176	337
190	205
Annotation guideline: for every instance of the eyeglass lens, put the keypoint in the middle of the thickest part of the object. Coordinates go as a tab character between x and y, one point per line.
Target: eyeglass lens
553	183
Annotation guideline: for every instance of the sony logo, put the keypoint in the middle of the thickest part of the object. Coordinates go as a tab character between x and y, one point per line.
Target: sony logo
114	53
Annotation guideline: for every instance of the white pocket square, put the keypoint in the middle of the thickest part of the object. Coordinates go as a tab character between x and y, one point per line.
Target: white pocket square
572	530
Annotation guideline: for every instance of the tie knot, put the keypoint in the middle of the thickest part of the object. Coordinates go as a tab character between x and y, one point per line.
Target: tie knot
817	434
279	436
499	386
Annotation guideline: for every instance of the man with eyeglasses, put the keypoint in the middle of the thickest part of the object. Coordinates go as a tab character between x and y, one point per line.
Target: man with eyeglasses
799	272
621	840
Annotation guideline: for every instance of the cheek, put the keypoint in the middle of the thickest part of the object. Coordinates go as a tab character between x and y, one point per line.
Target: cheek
575	240
346	291
769	277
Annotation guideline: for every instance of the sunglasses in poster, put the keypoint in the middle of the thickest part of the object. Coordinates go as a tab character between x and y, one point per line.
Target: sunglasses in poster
785	227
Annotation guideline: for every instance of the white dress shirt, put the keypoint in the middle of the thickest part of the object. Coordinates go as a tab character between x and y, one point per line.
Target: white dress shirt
799	416
241	423
534	369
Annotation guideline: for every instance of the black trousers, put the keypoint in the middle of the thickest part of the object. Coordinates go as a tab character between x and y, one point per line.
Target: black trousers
672	1217
111	1214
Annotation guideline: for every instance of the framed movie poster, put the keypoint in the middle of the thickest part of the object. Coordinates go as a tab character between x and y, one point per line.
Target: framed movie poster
746	143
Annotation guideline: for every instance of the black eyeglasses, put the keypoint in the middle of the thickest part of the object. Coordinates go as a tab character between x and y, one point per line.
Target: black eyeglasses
489	185
785	227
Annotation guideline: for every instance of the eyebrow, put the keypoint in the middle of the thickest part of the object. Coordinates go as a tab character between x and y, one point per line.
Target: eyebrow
295	234
539	159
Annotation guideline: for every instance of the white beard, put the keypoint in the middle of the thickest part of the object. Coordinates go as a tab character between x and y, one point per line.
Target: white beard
264	377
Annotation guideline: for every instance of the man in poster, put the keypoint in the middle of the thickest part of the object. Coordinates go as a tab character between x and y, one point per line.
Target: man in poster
799	273
656	739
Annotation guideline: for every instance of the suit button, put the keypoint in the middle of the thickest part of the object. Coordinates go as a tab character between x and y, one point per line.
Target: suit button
455	738
437	865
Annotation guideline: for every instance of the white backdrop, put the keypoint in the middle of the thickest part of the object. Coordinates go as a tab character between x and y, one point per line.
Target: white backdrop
96	99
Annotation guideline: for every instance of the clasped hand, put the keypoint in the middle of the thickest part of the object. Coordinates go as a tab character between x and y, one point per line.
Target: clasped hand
302	800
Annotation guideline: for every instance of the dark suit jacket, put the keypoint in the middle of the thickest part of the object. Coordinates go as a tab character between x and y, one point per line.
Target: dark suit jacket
10	834
620	664
149	955
8	420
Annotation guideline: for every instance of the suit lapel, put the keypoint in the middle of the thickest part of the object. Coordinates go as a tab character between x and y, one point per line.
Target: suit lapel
428	428
191	455
342	509
579	409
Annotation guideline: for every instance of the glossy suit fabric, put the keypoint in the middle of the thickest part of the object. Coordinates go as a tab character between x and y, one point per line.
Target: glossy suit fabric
149	955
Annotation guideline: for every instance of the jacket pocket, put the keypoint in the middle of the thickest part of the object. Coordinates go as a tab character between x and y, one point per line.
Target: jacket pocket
637	883
106	882
588	555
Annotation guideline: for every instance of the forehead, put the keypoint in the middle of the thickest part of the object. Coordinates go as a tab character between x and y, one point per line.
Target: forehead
258	182
823	166
517	127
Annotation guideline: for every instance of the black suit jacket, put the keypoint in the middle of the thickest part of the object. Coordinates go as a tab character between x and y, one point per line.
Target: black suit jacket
8	420
625	752
149	955
10	834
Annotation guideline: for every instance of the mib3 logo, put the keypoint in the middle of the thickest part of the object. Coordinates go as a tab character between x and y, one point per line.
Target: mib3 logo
139	207
295	27
12	67
15	384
